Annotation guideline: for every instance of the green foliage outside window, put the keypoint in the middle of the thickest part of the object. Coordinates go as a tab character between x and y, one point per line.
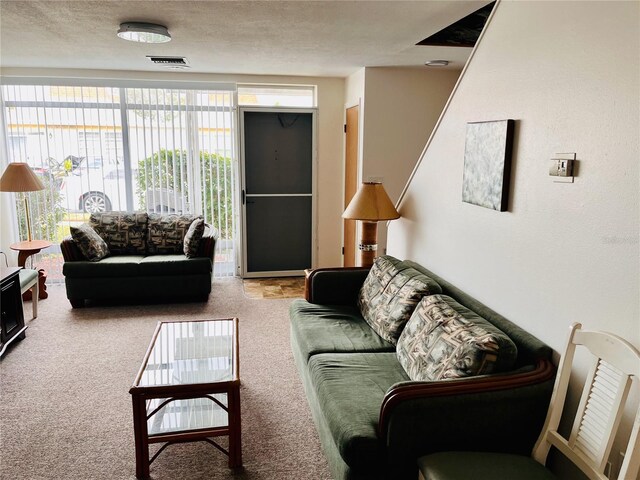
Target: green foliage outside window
167	171
46	211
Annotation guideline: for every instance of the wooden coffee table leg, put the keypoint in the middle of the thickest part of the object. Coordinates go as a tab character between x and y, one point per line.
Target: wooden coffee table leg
141	436
235	430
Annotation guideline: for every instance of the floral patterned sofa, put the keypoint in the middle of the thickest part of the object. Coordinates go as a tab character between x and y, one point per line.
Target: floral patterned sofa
396	363
138	256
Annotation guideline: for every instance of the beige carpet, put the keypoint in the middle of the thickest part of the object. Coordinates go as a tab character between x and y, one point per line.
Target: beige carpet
65	410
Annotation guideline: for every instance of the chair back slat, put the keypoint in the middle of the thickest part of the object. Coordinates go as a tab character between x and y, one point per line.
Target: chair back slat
600	409
597	423
583	445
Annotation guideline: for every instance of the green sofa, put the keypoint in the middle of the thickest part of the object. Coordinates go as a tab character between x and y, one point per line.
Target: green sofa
137	268
373	421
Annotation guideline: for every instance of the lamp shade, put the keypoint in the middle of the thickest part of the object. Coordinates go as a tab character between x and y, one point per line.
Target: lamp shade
18	177
371	203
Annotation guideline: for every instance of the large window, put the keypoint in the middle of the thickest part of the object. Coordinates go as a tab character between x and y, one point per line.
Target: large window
113	148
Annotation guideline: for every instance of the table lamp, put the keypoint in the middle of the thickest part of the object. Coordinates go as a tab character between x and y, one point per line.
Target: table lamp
18	177
370	205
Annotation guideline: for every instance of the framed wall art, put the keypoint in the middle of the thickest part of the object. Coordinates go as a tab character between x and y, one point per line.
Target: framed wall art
487	164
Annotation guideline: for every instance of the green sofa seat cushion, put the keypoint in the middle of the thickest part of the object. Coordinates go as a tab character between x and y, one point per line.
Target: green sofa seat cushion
332	329
174	264
350	388
116	266
481	466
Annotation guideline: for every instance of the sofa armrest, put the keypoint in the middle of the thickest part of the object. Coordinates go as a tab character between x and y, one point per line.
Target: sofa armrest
70	251
207	245
334	286
502	413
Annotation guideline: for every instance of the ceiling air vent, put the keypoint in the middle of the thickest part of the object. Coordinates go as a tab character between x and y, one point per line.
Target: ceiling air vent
176	63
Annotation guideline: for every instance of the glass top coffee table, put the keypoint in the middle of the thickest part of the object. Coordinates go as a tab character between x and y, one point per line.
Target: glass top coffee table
188	389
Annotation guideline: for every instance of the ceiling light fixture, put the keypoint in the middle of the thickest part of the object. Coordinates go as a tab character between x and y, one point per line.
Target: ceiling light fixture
436	63
144	32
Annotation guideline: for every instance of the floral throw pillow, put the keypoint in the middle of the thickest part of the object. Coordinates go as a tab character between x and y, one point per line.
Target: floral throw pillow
193	237
92	245
389	295
445	340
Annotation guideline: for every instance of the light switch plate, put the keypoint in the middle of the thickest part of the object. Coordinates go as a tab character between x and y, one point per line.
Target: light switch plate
560	161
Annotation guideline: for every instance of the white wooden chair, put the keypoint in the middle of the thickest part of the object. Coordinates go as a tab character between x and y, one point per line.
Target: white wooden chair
611	377
29	281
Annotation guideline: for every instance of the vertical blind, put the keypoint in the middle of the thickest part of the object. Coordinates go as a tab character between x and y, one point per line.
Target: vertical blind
130	149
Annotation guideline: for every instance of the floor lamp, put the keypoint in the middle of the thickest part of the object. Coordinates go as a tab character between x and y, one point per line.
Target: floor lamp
370	205
18	177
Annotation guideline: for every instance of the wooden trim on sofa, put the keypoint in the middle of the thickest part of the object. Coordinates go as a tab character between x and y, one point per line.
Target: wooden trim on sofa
207	245
310	273
544	371
70	251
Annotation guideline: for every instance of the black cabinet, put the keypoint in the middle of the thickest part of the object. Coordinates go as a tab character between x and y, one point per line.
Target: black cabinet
11	315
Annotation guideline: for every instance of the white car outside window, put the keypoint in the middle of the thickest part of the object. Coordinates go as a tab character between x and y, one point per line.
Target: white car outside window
95	186
99	186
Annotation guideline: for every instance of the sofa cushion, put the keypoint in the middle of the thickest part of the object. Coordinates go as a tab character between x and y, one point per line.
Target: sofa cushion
92	245
530	348
389	295
444	340
166	233
174	265
332	328
350	388
116	266
125	233
192	238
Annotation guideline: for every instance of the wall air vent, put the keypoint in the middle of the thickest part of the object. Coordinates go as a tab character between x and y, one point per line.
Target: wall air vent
176	63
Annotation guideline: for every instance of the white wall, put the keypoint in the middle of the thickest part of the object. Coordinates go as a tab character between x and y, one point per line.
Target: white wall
330	136
402	105
398	109
568	73
354	88
354	95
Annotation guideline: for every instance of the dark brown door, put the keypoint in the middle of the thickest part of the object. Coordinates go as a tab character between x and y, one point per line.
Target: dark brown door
350	182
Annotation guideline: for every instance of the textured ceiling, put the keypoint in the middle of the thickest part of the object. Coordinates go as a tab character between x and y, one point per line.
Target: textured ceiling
320	38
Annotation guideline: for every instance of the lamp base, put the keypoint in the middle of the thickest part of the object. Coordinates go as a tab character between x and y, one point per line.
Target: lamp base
368	243
28	214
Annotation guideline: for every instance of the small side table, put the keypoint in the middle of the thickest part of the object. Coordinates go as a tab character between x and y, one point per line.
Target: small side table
25	250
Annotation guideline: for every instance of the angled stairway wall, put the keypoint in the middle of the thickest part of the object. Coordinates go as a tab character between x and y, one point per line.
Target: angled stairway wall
569	74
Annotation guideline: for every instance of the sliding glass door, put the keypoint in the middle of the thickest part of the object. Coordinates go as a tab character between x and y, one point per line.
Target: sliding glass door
116	148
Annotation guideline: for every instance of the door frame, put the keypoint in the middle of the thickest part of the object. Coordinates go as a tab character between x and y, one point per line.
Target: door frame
242	183
349	248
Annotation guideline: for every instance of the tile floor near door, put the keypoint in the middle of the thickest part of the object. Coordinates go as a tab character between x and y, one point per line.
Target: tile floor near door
283	287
